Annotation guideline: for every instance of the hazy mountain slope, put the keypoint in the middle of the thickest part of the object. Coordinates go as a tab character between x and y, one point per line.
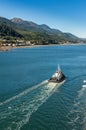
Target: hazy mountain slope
32	31
7	28
31	26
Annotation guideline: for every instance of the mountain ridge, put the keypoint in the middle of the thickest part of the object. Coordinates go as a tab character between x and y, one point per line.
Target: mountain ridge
33	31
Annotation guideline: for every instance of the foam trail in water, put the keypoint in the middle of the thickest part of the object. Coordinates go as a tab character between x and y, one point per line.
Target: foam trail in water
48	92
76	114
81	92
20	112
23	93
82	98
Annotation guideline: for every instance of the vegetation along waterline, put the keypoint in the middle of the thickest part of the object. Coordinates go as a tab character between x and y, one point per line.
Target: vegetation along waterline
18	32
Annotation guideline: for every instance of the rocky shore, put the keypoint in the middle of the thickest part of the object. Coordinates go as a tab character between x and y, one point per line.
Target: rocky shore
5	48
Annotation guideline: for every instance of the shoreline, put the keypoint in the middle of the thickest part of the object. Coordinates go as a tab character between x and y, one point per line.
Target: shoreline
7	48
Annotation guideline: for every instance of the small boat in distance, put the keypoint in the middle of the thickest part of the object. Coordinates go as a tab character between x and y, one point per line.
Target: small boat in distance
58	76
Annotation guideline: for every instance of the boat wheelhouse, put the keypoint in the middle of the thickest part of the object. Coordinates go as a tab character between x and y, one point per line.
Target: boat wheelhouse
58	76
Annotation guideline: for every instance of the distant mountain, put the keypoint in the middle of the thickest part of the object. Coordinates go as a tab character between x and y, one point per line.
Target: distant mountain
32	31
8	31
7	28
17	20
70	35
31	26
6	21
50	30
26	25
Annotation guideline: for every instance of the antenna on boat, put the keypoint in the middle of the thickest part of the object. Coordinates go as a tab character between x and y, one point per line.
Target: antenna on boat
59	68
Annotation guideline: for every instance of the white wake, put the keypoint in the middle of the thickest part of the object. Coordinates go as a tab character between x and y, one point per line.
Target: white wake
23	93
24	104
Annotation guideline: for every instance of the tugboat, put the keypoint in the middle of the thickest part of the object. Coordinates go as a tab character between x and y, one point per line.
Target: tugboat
57	77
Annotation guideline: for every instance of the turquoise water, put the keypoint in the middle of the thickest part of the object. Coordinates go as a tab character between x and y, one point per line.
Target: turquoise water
27	102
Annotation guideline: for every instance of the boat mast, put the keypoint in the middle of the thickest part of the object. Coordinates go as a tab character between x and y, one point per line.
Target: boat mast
59	70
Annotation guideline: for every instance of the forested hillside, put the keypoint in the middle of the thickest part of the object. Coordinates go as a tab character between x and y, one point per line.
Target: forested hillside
28	30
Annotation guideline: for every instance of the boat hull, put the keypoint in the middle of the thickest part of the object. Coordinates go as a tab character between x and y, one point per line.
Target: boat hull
55	80
56	83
